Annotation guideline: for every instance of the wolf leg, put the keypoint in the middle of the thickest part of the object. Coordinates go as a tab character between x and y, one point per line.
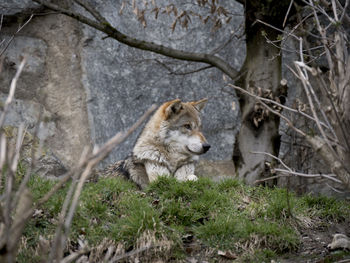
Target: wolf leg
154	170
186	173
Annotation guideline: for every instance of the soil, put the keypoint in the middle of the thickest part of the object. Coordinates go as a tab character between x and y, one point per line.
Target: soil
313	248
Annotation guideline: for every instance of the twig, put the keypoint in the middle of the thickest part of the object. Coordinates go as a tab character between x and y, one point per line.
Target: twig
311	104
334	8
75	255
3	145
274	157
271	178
172	72
57	244
29	170
327	176
289	123
286	16
91	10
344	15
130	254
89	163
11	92
290	172
20	137
286	107
1	20
12	37
112	32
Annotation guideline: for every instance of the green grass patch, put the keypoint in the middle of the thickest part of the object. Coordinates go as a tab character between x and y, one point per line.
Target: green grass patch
255	223
327	207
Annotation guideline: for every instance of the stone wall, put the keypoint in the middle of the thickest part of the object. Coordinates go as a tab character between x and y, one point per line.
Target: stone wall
92	87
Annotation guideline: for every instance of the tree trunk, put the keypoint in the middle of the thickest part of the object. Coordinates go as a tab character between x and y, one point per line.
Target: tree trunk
261	75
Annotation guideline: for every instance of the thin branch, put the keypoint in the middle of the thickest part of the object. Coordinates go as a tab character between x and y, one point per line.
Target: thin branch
344	14
286	16
3	148
172	72
145	45
91	10
288	108
327	176
12	37
89	162
29	170
311	104
290	172
289	123
131	253
1	20
11	92
334	8
276	158
57	245
75	255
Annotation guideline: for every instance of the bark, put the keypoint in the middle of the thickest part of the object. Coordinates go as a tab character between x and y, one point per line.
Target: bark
262	68
261	75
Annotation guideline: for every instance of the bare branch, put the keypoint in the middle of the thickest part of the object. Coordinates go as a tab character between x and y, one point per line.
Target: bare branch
12	37
289	7
290	124
172	72
91	10
321	148
276	158
288	171
327	176
75	255
144	45
11	92
305	82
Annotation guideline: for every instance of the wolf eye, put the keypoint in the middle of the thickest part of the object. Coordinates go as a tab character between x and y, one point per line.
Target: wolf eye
188	127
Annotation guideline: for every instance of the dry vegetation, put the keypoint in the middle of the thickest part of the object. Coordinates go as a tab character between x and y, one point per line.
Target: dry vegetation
110	220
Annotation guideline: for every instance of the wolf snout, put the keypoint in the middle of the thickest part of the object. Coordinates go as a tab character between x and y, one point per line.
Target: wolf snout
206	147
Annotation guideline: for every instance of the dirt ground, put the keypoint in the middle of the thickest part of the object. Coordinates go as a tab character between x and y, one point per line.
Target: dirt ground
314	249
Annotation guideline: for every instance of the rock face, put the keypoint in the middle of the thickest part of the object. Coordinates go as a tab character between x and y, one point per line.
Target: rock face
93	87
90	87
122	82
51	78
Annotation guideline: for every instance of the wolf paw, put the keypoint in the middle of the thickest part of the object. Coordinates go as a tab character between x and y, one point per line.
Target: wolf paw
192	177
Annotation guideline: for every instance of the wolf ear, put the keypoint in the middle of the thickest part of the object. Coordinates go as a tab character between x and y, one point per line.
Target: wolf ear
172	107
199	105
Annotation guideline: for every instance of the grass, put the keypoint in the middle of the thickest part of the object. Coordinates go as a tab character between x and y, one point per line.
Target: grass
254	223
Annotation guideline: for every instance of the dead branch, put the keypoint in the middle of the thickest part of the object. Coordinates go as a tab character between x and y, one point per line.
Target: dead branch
89	162
306	85
290	124
321	148
112	32
11	92
282	106
176	72
13	36
289	171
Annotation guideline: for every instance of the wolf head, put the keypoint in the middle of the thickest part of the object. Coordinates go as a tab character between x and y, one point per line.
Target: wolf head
179	126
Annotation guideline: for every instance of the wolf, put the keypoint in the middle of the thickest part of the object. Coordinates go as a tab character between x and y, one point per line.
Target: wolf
169	145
